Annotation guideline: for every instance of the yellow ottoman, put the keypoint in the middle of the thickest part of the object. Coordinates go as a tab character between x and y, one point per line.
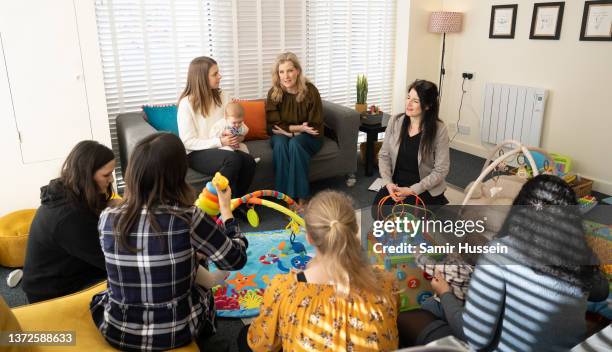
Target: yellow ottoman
14	230
70	313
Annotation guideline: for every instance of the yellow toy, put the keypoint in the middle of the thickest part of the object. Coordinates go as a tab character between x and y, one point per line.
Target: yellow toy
208	200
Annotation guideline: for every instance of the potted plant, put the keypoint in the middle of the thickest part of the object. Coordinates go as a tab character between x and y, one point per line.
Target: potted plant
362	93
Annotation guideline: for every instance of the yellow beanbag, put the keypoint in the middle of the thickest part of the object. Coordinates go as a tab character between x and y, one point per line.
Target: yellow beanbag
70	313
14	230
8	323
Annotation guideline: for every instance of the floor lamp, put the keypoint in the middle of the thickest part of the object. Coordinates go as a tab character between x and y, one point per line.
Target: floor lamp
444	22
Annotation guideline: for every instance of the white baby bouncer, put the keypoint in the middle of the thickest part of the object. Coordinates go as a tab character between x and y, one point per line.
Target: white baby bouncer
501	190
498	192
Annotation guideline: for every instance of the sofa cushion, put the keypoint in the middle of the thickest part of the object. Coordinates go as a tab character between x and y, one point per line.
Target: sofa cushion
255	119
321	164
162	117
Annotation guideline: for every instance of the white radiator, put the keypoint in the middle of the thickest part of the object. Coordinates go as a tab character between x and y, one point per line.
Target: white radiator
512	112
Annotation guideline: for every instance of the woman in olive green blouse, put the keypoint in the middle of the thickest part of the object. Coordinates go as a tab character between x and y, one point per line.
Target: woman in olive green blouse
295	122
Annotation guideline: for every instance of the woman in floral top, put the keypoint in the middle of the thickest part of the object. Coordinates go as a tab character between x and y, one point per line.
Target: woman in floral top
338	303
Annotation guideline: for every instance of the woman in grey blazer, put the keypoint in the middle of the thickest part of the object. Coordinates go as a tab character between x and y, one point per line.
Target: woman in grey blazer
414	158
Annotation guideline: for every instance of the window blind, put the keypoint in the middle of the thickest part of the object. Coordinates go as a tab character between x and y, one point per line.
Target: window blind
345	38
146	47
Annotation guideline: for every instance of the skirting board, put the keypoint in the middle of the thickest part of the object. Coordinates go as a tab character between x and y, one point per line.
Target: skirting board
599	185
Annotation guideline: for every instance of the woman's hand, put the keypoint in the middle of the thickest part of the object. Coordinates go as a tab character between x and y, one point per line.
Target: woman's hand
393	189
228	139
225	202
307	129
280	131
403	192
439	284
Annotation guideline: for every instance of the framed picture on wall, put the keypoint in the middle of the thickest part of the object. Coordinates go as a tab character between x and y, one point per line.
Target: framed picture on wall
503	21
597	21
546	20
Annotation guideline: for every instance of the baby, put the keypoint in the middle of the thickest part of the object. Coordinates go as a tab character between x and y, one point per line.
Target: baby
234	123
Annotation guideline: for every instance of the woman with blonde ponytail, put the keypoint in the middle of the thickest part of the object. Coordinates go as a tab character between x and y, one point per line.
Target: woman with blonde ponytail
338	303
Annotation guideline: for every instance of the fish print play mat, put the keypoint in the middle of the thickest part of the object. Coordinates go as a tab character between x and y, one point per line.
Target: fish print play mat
270	253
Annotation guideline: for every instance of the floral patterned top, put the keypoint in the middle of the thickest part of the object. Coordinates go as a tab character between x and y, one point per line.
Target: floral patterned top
301	316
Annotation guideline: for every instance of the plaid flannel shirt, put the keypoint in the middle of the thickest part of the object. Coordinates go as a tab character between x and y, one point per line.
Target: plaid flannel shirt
152	301
455	271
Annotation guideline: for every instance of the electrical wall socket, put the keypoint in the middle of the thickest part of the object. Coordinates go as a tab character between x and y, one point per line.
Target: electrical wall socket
463	129
468	75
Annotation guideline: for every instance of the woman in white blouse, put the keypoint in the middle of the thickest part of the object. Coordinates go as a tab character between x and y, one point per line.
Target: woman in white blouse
202	104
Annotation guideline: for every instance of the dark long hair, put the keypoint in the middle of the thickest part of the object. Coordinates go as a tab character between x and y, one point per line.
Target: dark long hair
155	176
428	97
201	97
547	227
77	175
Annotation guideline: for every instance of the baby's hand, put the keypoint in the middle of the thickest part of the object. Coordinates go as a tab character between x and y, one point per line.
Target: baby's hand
439	284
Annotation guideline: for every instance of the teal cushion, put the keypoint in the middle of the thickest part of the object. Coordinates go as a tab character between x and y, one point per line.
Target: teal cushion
162	117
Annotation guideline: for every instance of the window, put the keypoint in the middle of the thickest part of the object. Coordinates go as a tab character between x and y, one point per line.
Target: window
146	47
247	36
348	37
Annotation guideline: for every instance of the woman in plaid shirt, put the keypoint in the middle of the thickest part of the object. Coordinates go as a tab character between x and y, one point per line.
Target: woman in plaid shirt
150	243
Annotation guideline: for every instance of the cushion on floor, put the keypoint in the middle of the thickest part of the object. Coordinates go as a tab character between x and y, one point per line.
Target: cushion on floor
70	313
14	230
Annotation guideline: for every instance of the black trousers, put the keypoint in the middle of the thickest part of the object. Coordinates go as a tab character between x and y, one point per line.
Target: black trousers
430	201
237	166
243	345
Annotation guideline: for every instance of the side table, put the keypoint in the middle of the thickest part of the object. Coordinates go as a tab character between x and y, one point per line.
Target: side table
372	132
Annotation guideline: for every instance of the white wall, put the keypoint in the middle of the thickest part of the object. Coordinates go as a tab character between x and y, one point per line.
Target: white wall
20	182
417	50
578	75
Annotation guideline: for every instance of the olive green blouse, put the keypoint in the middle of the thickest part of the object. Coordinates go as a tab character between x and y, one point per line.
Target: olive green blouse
290	112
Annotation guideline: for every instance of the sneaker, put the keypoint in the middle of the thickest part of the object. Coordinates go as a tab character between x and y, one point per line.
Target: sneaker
14	277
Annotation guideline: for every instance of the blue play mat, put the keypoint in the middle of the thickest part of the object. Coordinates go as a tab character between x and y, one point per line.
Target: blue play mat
270	253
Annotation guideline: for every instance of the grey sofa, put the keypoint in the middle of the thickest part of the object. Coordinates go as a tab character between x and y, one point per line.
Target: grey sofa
338	155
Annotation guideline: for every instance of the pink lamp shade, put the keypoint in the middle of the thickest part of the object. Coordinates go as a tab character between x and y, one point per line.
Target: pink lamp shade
445	22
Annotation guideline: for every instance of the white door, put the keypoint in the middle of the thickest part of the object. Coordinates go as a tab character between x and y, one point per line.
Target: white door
40	44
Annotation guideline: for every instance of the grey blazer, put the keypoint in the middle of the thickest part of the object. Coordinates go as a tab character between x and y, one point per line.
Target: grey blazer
432	169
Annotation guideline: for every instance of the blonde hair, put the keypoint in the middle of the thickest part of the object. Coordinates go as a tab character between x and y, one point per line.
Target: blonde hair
332	227
277	89
198	91
234	107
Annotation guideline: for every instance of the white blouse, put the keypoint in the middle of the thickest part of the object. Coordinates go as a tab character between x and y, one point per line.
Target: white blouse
194	129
